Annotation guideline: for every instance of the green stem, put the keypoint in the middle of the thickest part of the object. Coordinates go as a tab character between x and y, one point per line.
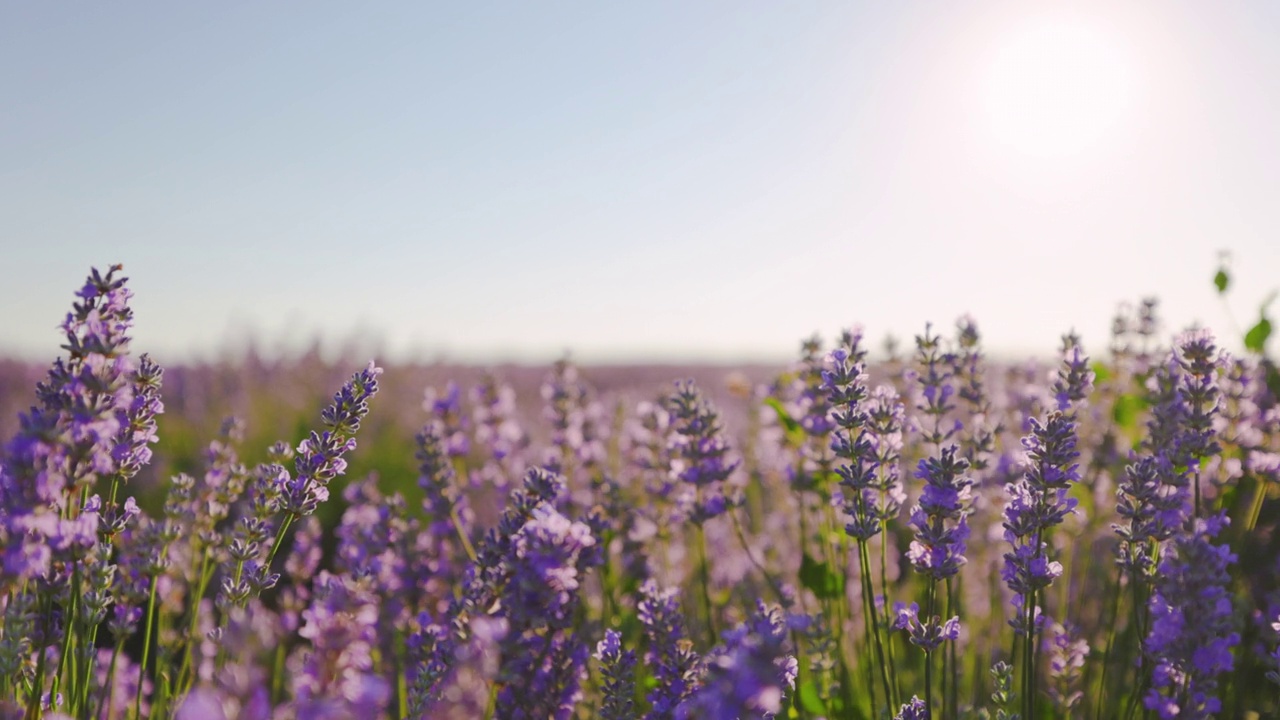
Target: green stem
746	549
1255	508
66	664
1028	659
884	590
1101	690
146	649
704	574
462	536
109	697
868	589
928	654
202	584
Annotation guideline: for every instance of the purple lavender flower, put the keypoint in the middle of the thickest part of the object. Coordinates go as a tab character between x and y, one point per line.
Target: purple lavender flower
618	669
1067	652
670	657
319	457
980	431
1152	510
138	421
939	518
885	423
844	380
68	442
1038	502
338	676
914	710
701	451
936	376
1193	630
436	644
748	676
927	634
577	430
449	418
498	432
544	663
441	500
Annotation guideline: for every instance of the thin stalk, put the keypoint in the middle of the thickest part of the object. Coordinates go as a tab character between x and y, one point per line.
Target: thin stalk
742	540
868	589
402	680
275	547
206	575
277	674
884	590
1101	691
704	575
950	676
1028	659
146	649
462	536
867	624
68	634
928	655
1255	507
87	674
110	697
34	708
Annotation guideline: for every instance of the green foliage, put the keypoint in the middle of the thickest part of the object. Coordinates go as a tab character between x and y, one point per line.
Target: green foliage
1221	280
1256	339
1127	410
795	433
820	578
809	700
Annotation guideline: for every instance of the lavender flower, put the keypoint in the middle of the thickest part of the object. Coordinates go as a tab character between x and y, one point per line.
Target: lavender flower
1193	630
319	457
936	388
670	657
337	676
845	383
885	422
748	676
1067	652
544	662
941	528
618	668
701	451
138	421
914	710
927	634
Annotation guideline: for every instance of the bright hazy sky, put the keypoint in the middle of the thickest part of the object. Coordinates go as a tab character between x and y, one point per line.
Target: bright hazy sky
655	180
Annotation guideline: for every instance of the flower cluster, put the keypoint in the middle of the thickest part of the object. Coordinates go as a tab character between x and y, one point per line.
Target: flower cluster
476	569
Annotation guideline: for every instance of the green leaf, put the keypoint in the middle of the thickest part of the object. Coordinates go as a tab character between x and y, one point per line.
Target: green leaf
795	433
1101	373
1128	409
810	701
1256	339
820	578
1221	280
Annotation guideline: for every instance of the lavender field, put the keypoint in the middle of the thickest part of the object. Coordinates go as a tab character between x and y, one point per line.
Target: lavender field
927	535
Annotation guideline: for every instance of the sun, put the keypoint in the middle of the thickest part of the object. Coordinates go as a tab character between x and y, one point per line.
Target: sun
1056	89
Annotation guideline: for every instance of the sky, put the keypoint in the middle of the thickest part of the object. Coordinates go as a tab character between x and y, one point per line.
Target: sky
658	181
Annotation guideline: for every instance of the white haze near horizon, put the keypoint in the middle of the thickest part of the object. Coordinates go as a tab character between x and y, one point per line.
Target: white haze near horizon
648	182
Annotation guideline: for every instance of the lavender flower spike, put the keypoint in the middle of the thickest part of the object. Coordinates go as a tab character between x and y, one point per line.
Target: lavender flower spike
319	457
618	667
701	450
1193	630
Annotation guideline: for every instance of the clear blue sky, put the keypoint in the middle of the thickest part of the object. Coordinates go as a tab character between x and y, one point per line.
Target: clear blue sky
633	180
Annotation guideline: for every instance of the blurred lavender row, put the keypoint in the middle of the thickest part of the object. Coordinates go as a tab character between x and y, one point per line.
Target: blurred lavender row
928	534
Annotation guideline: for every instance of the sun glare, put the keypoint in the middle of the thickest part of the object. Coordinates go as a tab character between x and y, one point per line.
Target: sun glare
1056	89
